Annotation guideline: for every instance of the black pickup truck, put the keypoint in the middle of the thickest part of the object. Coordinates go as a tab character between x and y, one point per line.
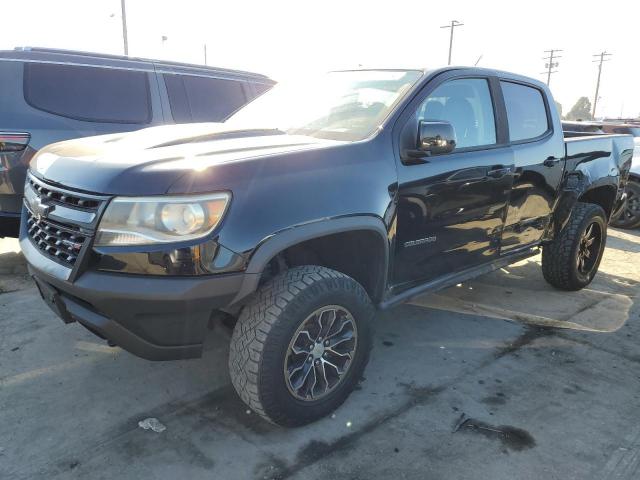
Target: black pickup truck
308	208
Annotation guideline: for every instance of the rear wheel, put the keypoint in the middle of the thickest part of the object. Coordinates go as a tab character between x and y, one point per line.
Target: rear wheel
300	347
630	215
572	259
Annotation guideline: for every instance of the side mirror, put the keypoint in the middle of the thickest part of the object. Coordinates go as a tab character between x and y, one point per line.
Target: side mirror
436	137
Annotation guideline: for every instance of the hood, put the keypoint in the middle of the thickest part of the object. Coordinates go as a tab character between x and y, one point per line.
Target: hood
149	161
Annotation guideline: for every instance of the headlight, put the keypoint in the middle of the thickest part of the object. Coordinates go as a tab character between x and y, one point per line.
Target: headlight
151	220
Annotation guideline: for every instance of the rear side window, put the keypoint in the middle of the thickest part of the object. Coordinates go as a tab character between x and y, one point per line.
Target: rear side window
202	99
88	93
526	111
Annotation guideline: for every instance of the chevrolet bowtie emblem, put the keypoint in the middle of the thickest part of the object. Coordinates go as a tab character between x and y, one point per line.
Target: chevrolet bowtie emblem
41	210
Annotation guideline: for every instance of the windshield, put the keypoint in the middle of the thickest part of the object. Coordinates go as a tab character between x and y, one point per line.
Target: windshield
346	105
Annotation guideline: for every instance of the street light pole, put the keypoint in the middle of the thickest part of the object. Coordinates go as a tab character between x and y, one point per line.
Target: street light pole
124	27
601	60
454	24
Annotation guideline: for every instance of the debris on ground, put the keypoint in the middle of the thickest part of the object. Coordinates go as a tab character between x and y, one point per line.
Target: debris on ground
152	424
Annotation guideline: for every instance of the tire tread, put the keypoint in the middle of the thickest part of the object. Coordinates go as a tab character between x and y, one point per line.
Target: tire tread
256	322
557	256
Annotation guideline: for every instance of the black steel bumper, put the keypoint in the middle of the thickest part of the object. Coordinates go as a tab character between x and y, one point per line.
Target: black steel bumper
157	318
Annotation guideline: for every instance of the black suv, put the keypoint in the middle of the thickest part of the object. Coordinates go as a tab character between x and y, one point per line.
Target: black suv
306	209
53	95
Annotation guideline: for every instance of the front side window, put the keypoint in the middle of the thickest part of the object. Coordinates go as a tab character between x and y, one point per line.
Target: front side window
88	93
526	111
347	105
466	104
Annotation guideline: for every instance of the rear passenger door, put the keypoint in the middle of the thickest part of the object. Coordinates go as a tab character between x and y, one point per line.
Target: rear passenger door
539	163
198	98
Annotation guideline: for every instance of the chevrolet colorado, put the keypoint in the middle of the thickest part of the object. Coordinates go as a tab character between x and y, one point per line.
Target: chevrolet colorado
308	208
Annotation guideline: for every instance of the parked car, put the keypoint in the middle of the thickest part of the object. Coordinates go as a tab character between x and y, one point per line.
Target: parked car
308	208
629	217
53	95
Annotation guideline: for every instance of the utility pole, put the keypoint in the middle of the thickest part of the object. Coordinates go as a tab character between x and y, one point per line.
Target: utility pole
205	53
550	65
600	59
124	27
454	24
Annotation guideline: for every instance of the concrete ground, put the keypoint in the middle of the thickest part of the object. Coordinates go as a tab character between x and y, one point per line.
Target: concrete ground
464	384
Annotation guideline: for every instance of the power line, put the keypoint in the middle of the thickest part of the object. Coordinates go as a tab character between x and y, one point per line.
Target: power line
600	59
550	64
454	24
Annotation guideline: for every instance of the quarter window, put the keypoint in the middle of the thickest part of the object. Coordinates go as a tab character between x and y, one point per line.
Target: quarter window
203	99
526	111
88	93
466	104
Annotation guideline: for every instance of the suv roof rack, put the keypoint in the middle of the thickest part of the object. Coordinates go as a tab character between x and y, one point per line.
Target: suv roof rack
80	53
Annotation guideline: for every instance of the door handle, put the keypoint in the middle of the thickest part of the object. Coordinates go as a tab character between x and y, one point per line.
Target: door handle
551	161
498	171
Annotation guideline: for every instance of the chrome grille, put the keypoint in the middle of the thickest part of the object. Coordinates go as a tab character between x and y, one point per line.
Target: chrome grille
58	241
60	222
65	198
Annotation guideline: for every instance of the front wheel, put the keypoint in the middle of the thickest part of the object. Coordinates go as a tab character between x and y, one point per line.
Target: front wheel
572	259
630	215
300	346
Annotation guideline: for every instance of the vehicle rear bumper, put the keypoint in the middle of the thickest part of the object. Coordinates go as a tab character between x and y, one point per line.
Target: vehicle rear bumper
157	318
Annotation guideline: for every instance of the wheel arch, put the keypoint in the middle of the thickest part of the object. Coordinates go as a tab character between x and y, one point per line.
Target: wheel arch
604	195
338	243
576	189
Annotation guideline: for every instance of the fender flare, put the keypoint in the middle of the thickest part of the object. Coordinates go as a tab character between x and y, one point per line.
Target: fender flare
276	243
575	187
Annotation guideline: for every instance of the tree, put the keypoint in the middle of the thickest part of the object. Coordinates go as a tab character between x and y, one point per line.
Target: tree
581	110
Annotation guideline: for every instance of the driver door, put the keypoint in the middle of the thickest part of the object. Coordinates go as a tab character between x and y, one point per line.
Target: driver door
451	208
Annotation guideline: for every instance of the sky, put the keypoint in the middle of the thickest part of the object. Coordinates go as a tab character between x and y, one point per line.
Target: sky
285	39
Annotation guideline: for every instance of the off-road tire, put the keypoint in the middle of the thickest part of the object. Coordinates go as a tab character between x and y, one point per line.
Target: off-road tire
267	324
559	257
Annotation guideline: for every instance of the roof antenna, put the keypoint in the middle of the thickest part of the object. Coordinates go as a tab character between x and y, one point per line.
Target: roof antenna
477	61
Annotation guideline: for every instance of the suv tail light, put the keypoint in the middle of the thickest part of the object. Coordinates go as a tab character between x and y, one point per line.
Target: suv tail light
13	141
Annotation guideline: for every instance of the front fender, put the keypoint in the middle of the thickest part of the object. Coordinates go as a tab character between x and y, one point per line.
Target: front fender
268	248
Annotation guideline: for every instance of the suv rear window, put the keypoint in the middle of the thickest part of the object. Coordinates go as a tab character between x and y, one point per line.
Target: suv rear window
203	99
526	111
88	93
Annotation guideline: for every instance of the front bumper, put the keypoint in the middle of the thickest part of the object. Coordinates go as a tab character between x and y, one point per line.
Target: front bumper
157	318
